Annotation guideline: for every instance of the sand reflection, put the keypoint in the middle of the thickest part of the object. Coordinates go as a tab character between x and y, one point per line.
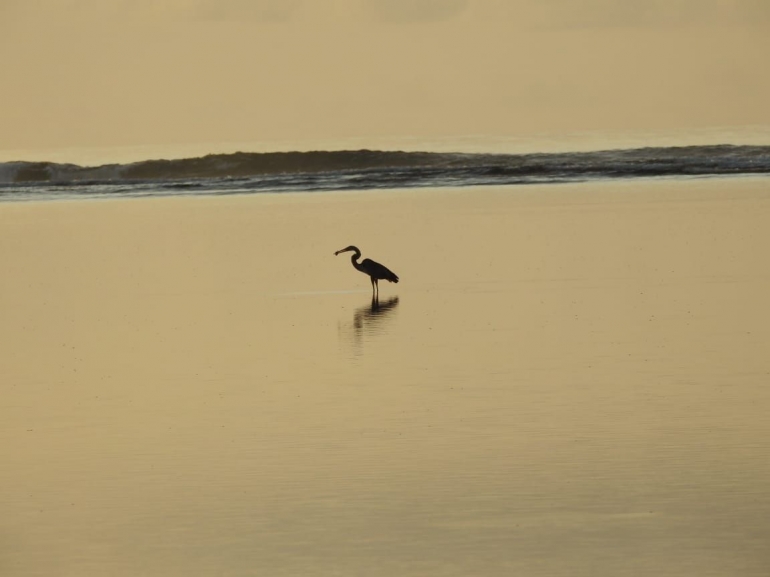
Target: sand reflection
602	411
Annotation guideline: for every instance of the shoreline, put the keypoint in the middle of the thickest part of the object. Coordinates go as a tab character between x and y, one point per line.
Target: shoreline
610	190
9	198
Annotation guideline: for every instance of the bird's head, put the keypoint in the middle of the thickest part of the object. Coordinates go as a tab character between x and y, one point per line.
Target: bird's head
348	249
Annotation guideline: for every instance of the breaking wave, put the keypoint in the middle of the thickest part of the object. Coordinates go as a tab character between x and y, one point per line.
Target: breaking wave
241	172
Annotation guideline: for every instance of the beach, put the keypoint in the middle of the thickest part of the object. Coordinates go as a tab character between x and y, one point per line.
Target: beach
568	380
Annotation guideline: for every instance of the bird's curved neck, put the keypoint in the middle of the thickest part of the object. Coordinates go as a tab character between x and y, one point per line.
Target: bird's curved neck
354	259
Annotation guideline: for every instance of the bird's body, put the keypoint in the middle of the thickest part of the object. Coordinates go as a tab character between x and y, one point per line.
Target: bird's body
375	270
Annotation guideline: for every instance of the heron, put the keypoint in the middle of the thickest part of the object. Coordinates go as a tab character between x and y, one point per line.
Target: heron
375	270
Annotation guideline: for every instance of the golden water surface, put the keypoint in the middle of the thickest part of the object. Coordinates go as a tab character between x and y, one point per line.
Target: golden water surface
569	380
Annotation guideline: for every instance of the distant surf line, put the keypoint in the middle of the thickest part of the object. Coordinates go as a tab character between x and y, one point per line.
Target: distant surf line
319	171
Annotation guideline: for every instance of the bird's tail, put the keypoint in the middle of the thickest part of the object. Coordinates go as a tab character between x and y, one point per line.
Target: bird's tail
393	278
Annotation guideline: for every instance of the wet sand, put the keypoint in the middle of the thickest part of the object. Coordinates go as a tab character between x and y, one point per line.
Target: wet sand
569	380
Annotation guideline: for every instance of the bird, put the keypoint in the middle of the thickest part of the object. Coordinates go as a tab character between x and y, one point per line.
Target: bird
375	270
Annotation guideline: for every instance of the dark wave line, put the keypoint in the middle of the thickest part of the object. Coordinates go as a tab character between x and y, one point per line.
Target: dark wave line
367	169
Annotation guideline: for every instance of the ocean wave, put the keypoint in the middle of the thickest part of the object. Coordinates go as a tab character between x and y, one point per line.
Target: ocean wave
367	169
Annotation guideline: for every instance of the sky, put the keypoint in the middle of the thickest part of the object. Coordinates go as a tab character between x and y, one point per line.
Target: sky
108	73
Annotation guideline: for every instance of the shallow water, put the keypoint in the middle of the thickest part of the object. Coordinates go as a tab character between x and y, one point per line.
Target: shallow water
568	381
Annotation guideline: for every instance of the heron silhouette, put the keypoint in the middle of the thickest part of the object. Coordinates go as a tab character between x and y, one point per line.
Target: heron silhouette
375	270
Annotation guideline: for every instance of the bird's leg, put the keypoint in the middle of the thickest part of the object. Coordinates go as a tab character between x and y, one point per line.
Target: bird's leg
377	288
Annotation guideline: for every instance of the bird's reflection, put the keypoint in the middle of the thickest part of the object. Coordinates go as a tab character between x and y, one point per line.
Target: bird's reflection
370	320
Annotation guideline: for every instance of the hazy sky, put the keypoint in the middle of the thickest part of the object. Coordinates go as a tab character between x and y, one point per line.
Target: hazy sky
145	72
